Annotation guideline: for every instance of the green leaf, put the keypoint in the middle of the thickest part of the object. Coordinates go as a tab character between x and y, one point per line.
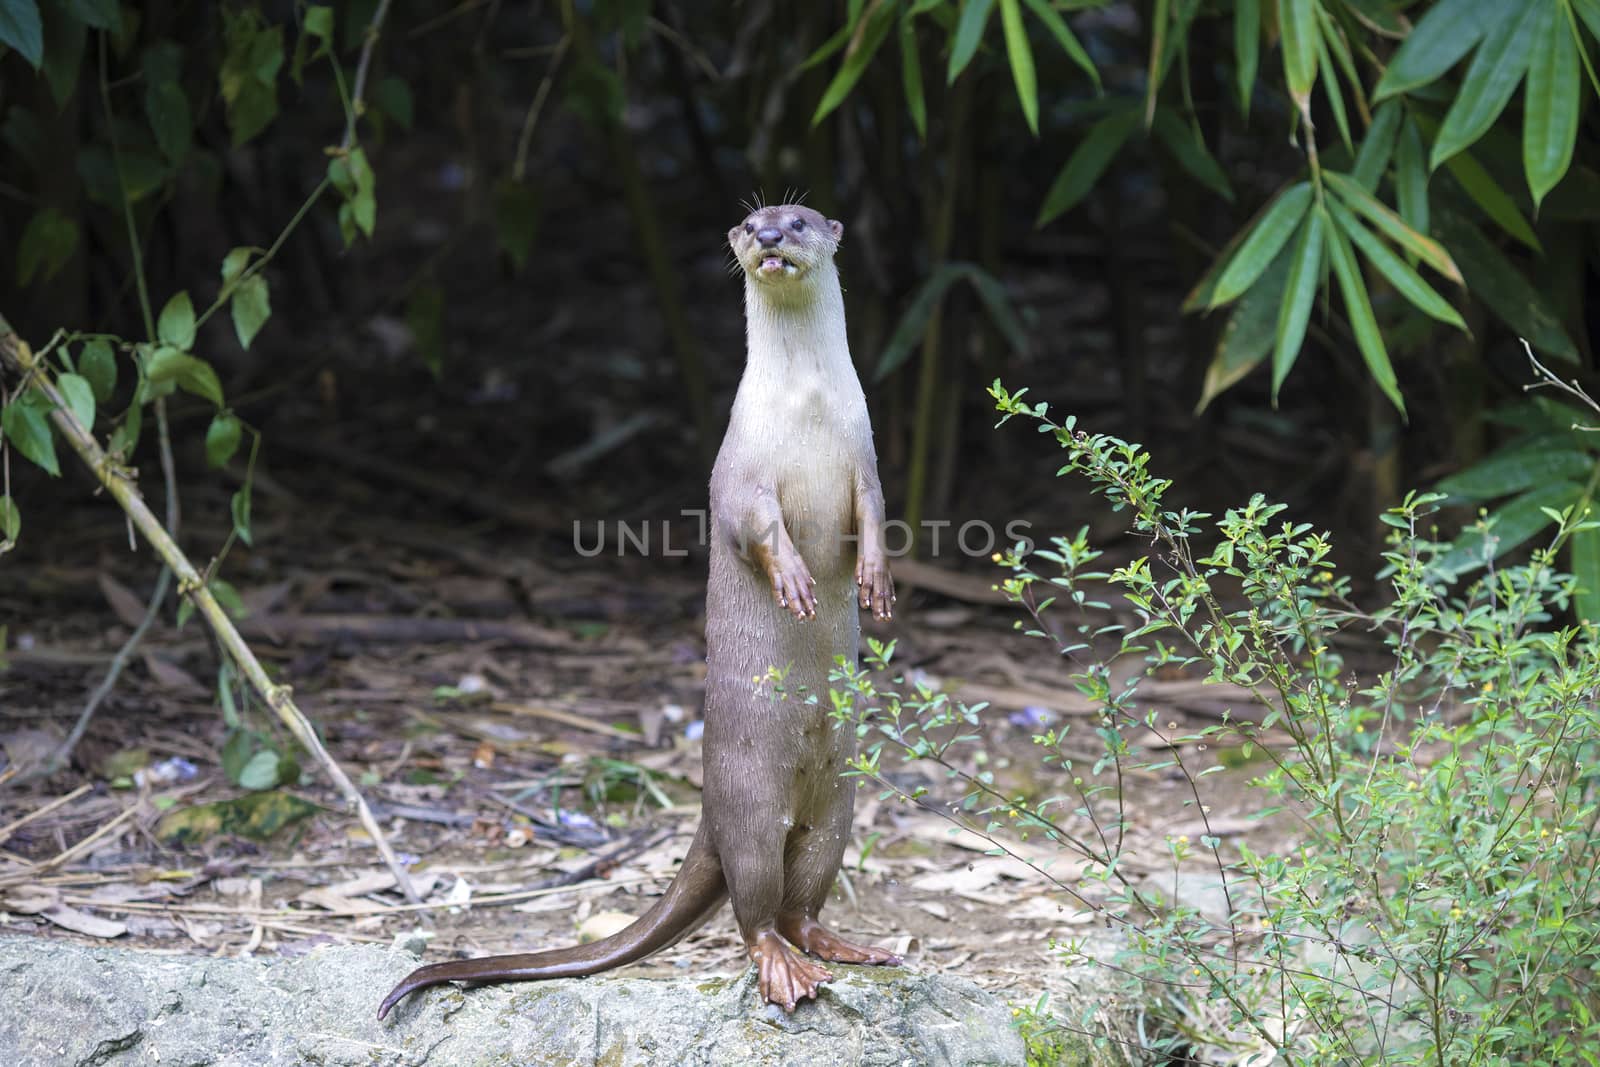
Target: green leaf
909	331
64	41
1586	569
319	24
1330	87
170	366
167	108
1020	53
516	218
1518	469
10	521
1297	22
968	35
1411	177
97	363
1491	78
48	242
393	97
1087	162
879	18
1358	308
79	395
1502	288
425	319
1266	238
1374	211
99	14
1247	337
1066	39
1188	147
1407	282
233	265
1514	523
222	438
1295	312
1378	145
1436	43
824	51
21	29
1495	201
248	76
1246	50
261	772
1551	103
23	425
239	509
176	325
251	306
911	76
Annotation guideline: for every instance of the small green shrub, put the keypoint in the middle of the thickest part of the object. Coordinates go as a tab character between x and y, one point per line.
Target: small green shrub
1436	902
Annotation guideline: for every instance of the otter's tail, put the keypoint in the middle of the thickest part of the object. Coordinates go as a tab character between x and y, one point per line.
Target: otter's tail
697	891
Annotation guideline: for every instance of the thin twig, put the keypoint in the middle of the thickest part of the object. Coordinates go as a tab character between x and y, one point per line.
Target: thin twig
16	824
357	91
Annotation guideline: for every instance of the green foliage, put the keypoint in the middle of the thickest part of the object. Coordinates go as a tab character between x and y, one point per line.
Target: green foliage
1436	901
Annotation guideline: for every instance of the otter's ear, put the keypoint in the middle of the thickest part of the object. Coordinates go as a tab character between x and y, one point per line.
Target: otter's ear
836	228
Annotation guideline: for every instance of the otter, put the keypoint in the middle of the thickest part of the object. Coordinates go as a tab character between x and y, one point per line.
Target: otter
796	541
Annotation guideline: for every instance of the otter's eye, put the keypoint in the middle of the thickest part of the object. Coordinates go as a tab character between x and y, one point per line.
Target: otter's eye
749	227
798	225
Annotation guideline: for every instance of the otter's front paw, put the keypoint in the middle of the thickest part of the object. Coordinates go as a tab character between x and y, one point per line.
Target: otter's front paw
792	585
875	584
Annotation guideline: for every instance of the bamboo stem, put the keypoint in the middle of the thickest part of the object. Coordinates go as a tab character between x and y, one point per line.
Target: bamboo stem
119	482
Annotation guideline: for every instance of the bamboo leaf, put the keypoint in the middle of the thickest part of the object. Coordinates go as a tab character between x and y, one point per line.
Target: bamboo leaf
1589	12
1246	50
1586	569
1518	469
1378	145
1502	288
1087	162
1435	44
1407	282
1262	246
1066	39
1297	23
1501	61
1411	177
911	77
1247	338
908	332
968	35
1020	53
1189	149
23	30
878	20
1358	308
1495	201
1330	87
1514	523
1373	210
1550	110
1300	290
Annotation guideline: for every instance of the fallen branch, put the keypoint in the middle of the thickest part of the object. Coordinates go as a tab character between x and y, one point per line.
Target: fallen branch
16	356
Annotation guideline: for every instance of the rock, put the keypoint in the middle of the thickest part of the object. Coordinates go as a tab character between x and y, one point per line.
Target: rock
69	1004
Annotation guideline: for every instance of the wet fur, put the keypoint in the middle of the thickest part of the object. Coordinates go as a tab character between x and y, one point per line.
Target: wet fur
796	524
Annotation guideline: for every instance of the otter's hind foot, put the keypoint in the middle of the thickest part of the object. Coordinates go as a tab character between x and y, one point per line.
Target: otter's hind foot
823	943
786	977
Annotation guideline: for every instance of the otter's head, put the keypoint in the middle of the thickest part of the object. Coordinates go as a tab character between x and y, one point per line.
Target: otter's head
783	246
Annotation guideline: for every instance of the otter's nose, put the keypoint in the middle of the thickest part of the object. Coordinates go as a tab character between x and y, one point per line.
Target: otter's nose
769	236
